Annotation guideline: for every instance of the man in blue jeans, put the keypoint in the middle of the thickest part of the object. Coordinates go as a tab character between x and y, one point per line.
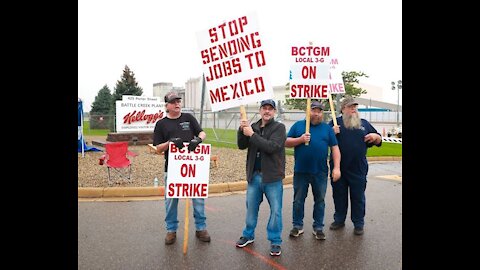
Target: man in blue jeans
178	127
265	141
354	136
311	167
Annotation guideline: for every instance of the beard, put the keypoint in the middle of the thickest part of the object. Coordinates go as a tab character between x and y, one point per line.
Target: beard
352	121
315	120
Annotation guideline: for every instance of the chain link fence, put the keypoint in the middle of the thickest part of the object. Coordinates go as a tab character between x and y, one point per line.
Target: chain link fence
230	119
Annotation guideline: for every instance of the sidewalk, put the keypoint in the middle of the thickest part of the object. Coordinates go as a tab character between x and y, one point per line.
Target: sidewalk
156	193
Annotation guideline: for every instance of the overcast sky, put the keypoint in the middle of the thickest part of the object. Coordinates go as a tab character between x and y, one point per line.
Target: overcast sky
157	39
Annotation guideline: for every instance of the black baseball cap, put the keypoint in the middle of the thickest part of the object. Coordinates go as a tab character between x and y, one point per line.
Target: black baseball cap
270	102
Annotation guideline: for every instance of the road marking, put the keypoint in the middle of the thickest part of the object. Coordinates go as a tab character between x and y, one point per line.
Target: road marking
394	177
263	258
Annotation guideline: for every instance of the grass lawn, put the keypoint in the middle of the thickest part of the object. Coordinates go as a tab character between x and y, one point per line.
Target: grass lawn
228	138
387	149
93	132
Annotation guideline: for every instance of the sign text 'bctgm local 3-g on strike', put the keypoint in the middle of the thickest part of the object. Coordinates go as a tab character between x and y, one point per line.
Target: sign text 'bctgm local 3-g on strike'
188	172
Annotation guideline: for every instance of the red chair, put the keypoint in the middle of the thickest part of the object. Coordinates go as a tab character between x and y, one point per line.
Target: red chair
117	160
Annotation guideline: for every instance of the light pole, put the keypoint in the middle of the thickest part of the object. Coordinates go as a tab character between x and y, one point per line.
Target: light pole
399	86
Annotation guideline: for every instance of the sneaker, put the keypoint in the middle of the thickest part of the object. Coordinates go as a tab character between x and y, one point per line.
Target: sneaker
358	231
319	234
295	232
336	225
203	236
243	241
170	238
275	250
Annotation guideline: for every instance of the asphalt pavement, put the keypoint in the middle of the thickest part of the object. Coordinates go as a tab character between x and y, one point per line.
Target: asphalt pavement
130	235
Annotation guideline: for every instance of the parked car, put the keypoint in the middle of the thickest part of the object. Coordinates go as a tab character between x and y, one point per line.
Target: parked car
395	132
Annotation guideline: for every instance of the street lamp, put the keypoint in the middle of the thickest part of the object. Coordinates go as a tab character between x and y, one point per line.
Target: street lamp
399	86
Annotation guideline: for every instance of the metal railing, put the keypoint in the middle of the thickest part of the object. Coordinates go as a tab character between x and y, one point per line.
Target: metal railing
230	120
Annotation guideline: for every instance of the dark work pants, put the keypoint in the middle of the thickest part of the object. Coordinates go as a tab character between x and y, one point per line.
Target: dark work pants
356	185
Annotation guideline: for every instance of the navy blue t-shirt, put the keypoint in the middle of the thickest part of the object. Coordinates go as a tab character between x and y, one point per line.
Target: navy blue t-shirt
353	147
312	158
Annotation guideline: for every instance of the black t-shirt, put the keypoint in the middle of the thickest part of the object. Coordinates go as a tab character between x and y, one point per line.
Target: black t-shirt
258	157
185	127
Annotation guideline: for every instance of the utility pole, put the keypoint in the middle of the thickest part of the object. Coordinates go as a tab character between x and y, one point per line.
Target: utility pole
202	100
399	86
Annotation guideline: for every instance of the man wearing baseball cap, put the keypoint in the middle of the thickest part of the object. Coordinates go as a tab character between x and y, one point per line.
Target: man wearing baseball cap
178	127
354	136
265	140
311	168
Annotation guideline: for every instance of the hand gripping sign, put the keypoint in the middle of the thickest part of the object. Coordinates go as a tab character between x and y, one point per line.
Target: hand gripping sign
188	171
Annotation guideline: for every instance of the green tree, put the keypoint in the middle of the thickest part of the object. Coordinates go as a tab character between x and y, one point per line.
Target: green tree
103	101
101	108
127	85
350	78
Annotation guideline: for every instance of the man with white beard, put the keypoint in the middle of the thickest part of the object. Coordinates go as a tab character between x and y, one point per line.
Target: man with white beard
354	136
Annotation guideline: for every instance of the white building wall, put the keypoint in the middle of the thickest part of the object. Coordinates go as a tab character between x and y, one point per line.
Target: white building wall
161	89
373	92
192	99
279	93
193	95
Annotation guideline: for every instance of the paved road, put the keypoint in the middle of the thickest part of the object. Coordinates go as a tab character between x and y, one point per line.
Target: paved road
130	235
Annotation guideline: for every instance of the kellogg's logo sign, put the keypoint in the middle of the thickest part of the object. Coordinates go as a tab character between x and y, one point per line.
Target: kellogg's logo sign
138	114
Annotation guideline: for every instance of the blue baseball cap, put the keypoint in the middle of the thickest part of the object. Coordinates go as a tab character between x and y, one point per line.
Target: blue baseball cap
270	102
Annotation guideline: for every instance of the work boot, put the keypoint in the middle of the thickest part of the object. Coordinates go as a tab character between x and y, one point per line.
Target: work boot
170	238
336	225
358	231
203	236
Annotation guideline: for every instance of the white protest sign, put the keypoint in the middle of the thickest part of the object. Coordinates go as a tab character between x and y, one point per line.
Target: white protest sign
138	114
335	84
309	72
234	63
188	173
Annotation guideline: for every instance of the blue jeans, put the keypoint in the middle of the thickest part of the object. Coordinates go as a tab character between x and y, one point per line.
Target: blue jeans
171	207
357	185
301	182
274	193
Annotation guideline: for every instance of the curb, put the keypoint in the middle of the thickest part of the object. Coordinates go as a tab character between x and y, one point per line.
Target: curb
122	192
